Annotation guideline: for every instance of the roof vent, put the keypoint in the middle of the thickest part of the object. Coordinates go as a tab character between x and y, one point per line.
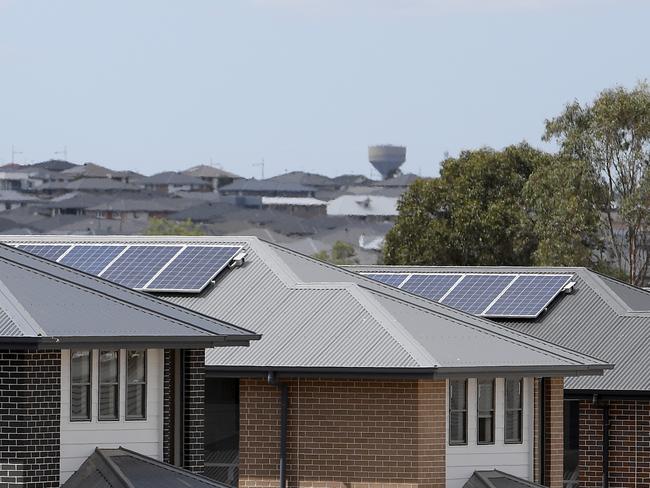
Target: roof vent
238	260
568	288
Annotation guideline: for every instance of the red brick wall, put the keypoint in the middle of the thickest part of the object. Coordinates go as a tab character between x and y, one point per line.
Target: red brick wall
629	444
554	432
345	433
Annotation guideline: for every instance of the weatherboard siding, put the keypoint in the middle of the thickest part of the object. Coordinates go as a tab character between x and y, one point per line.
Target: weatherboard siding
79	439
515	459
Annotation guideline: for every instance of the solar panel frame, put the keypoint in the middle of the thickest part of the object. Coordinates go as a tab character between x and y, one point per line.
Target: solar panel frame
48	251
400	278
561	280
124	264
232	251
71	259
417	284
476	303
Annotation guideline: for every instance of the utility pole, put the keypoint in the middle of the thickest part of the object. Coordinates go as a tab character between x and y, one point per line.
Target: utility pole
261	165
13	154
64	152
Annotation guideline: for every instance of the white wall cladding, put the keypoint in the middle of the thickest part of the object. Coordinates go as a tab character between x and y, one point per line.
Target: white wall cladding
79	439
515	459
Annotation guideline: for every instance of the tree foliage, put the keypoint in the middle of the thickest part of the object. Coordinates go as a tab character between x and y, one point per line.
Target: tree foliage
163	227
612	135
341	253
519	206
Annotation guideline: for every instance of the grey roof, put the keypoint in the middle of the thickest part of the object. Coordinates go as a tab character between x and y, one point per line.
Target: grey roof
318	317
205	171
146	203
603	317
55	165
13	196
122	468
348	180
89	184
497	479
76	200
401	180
52	305
92	170
173	178
304	178
268	185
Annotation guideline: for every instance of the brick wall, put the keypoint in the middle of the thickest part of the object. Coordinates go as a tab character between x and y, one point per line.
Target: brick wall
345	433
554	432
629	444
30	405
168	388
193	412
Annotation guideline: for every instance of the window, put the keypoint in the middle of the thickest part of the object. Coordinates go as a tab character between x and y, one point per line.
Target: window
80	368
136	385
457	412
513	411
109	385
485	403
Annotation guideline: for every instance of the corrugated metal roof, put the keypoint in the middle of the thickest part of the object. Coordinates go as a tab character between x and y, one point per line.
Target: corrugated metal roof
46	300
603	317
122	468
318	316
8	328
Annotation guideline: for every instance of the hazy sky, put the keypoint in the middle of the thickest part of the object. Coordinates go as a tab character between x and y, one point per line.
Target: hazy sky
157	85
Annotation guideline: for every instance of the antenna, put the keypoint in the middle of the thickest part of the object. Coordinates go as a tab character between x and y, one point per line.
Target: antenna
261	165
64	152
13	154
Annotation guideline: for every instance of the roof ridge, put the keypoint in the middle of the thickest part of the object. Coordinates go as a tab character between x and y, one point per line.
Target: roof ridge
392	327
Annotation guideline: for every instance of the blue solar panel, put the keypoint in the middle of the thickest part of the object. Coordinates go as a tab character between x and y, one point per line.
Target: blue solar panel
139	264
91	259
528	296
51	252
475	292
431	286
393	279
193	269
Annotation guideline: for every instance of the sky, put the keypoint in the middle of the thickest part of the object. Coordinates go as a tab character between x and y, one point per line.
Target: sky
157	85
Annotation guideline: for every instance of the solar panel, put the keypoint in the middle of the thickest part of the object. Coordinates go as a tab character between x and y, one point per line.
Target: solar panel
193	268
475	292
51	252
91	259
528	296
431	286
393	279
139	264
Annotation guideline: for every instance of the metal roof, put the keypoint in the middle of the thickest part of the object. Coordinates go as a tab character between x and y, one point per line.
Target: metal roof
266	185
122	468
497	479
321	318
51	305
603	317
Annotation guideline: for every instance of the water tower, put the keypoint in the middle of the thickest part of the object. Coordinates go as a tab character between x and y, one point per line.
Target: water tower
387	159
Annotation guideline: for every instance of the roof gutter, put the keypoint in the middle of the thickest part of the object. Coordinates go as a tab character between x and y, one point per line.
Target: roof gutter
123	342
406	373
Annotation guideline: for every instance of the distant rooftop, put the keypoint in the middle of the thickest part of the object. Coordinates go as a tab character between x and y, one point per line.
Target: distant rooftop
205	171
303	178
173	178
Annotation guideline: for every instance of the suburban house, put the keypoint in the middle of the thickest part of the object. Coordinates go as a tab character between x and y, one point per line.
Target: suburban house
216	177
607	418
172	181
266	188
355	382
87	365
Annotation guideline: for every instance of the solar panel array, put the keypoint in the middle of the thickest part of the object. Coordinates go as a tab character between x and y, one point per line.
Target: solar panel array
485	294
163	268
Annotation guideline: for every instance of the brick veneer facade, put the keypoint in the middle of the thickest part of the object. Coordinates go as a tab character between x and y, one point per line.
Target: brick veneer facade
349	433
193	411
629	443
554	432
30	427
